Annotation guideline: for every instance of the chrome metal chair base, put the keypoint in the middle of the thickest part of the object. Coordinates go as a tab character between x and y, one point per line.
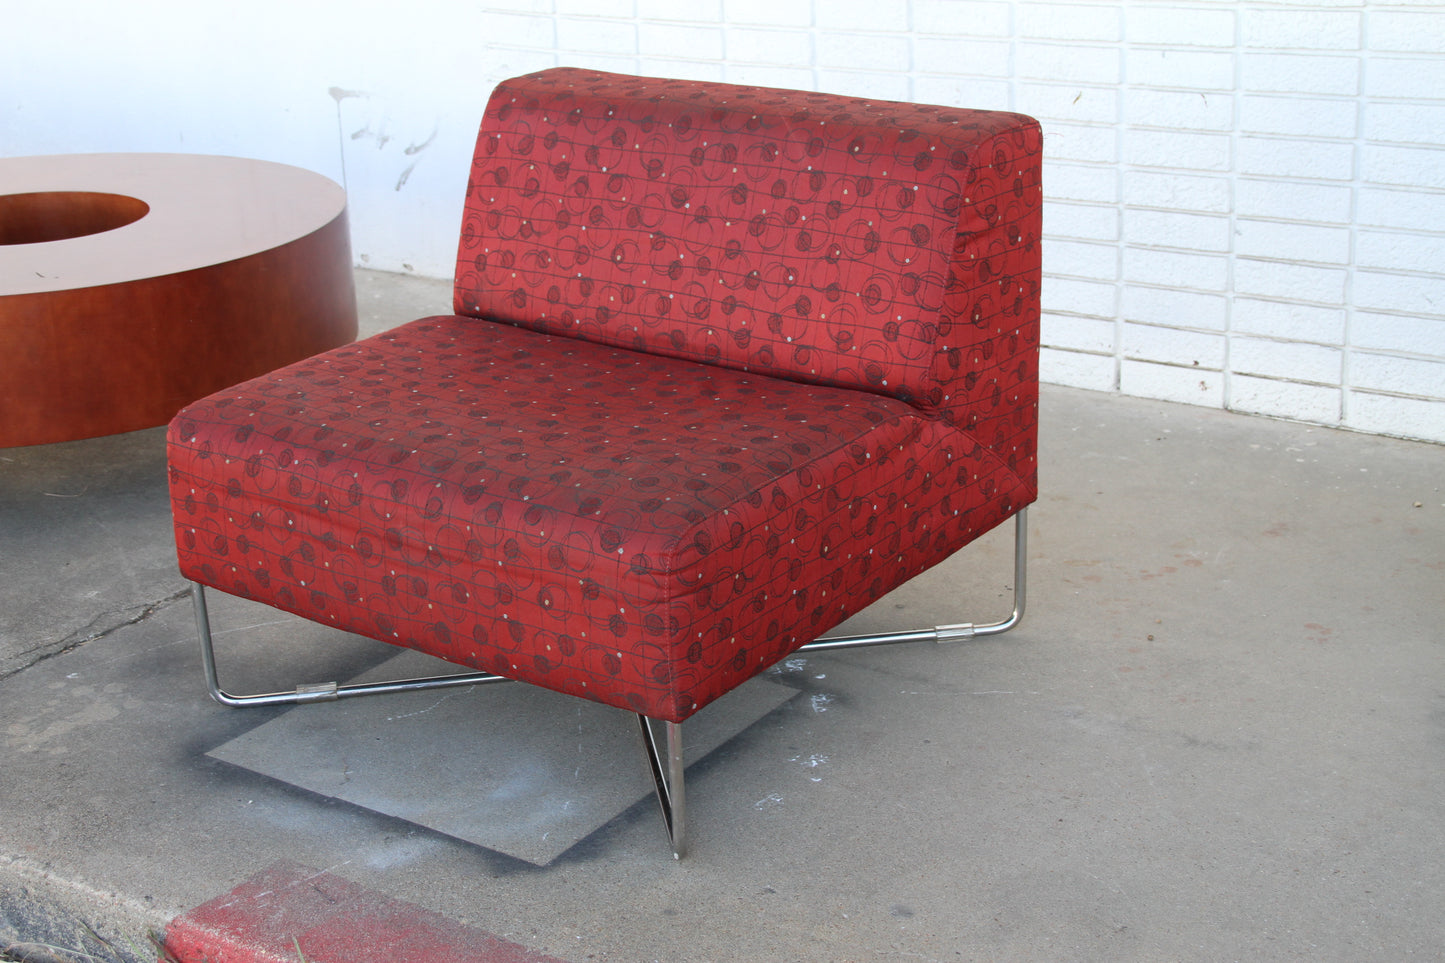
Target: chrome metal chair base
665	763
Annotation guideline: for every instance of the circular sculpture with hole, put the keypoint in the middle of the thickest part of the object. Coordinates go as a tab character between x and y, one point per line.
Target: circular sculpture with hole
133	284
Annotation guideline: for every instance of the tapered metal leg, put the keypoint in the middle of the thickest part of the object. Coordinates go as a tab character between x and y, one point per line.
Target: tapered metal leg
314	692
667	779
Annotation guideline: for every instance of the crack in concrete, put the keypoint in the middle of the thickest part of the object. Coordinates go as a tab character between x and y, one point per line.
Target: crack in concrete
88	634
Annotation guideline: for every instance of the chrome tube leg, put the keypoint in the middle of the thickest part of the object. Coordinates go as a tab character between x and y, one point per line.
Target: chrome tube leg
208	648
1021	564
314	692
1021	578
949	633
676	792
667	779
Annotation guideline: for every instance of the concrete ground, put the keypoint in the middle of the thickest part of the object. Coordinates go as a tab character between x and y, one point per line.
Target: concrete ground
1219	733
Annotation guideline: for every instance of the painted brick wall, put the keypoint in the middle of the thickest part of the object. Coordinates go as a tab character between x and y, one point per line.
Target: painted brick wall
1246	200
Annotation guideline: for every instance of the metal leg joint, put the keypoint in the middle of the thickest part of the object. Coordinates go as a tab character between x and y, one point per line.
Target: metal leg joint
955	633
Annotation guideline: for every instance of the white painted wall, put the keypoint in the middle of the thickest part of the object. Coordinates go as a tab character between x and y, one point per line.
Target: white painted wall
1246	198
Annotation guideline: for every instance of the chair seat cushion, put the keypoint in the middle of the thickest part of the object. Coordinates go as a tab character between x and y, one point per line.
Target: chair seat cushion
642	531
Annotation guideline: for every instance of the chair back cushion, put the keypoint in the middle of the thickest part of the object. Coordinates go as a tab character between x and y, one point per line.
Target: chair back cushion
882	246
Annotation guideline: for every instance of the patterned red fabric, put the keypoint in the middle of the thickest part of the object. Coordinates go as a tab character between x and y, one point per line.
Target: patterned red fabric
641	531
650	528
871	244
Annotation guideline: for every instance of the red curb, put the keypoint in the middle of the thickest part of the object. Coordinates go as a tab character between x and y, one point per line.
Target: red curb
331	920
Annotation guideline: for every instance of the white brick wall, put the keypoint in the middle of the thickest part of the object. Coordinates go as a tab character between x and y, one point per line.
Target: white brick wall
1246	198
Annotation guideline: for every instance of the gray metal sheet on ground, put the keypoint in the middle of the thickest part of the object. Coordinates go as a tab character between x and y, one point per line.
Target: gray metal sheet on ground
510	767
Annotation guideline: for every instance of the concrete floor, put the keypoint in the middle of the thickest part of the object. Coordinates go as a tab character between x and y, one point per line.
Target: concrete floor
1219	733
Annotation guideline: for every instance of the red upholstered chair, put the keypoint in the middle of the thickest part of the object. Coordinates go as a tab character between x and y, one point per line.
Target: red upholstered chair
727	365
